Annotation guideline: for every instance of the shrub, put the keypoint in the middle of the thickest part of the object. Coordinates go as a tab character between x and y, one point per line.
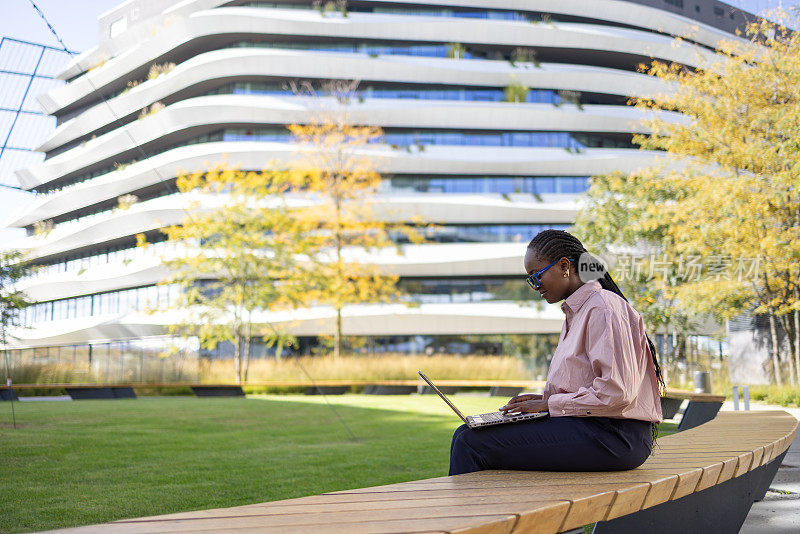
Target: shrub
157	70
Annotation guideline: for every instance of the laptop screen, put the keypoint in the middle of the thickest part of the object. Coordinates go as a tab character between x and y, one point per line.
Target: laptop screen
425	378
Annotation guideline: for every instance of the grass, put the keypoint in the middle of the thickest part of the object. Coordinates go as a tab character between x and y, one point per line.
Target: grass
79	463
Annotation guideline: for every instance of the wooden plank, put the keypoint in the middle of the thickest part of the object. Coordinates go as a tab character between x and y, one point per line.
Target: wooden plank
728	469
589	503
523	493
758	455
497	527
745	460
628	501
687	483
553	478
400	520
518	503
660	493
588	509
456	484
710	476
767	453
544	520
780	446
690	395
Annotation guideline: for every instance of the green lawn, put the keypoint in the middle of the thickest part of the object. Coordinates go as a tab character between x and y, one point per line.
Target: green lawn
78	463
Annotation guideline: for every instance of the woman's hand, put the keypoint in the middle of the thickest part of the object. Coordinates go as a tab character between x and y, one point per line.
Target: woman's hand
526	403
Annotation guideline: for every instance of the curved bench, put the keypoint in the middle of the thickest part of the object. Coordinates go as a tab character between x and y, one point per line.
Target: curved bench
702	479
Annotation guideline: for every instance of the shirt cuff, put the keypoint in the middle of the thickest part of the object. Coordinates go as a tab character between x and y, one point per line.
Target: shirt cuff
557	405
562	405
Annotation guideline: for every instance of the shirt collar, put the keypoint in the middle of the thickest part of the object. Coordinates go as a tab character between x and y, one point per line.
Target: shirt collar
579	296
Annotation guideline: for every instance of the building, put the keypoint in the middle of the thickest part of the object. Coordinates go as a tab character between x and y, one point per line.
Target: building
173	85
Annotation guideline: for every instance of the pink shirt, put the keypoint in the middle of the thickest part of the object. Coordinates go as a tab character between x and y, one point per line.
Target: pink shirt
602	365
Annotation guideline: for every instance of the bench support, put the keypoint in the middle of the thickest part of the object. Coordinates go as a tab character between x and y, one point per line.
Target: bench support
218	391
698	413
720	509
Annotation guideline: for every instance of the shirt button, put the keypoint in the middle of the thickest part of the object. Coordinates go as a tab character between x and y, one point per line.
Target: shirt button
563	411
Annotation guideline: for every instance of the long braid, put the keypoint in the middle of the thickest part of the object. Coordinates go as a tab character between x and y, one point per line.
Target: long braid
551	245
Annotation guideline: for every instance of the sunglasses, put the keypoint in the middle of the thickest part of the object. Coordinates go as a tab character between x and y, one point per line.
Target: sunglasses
534	280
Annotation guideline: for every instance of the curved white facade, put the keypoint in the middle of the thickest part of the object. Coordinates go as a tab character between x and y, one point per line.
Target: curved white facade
241	63
490	173
214	112
302	24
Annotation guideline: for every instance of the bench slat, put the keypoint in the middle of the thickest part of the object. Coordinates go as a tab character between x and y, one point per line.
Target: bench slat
710	476
583	509
628	500
728	469
545	520
508	503
687	482
494	524
745	462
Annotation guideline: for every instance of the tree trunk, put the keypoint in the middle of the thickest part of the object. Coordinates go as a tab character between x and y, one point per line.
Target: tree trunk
788	327
797	342
337	348
776	366
246	355
278	348
237	355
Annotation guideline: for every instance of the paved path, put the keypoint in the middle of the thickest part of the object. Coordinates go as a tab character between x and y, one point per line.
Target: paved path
779	512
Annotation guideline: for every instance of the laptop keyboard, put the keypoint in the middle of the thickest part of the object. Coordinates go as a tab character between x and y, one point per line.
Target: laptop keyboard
491	417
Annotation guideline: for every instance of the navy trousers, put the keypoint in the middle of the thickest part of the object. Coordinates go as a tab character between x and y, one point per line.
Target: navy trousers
553	444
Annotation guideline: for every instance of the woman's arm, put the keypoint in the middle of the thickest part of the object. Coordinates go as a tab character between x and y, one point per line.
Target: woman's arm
613	359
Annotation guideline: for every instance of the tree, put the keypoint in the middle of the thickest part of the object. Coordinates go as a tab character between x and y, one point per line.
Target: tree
516	92
524	55
13	268
728	197
239	260
615	224
338	173
456	50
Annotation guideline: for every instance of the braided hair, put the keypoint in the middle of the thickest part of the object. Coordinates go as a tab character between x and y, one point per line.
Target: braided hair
552	245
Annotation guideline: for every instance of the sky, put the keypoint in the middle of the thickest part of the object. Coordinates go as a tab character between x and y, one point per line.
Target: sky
76	23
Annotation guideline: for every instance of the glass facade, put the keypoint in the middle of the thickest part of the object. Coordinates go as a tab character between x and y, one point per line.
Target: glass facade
367	49
59	185
110	302
394	137
491	184
483	233
448	233
468	94
143	299
421	138
105	255
422	11
124	361
456	290
535	185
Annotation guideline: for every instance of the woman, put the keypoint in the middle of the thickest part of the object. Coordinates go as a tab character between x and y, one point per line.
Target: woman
602	389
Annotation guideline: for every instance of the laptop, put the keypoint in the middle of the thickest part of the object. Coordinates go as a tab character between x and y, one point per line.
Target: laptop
484	419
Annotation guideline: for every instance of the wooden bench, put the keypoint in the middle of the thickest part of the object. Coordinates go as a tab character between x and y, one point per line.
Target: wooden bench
701	480
702	407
